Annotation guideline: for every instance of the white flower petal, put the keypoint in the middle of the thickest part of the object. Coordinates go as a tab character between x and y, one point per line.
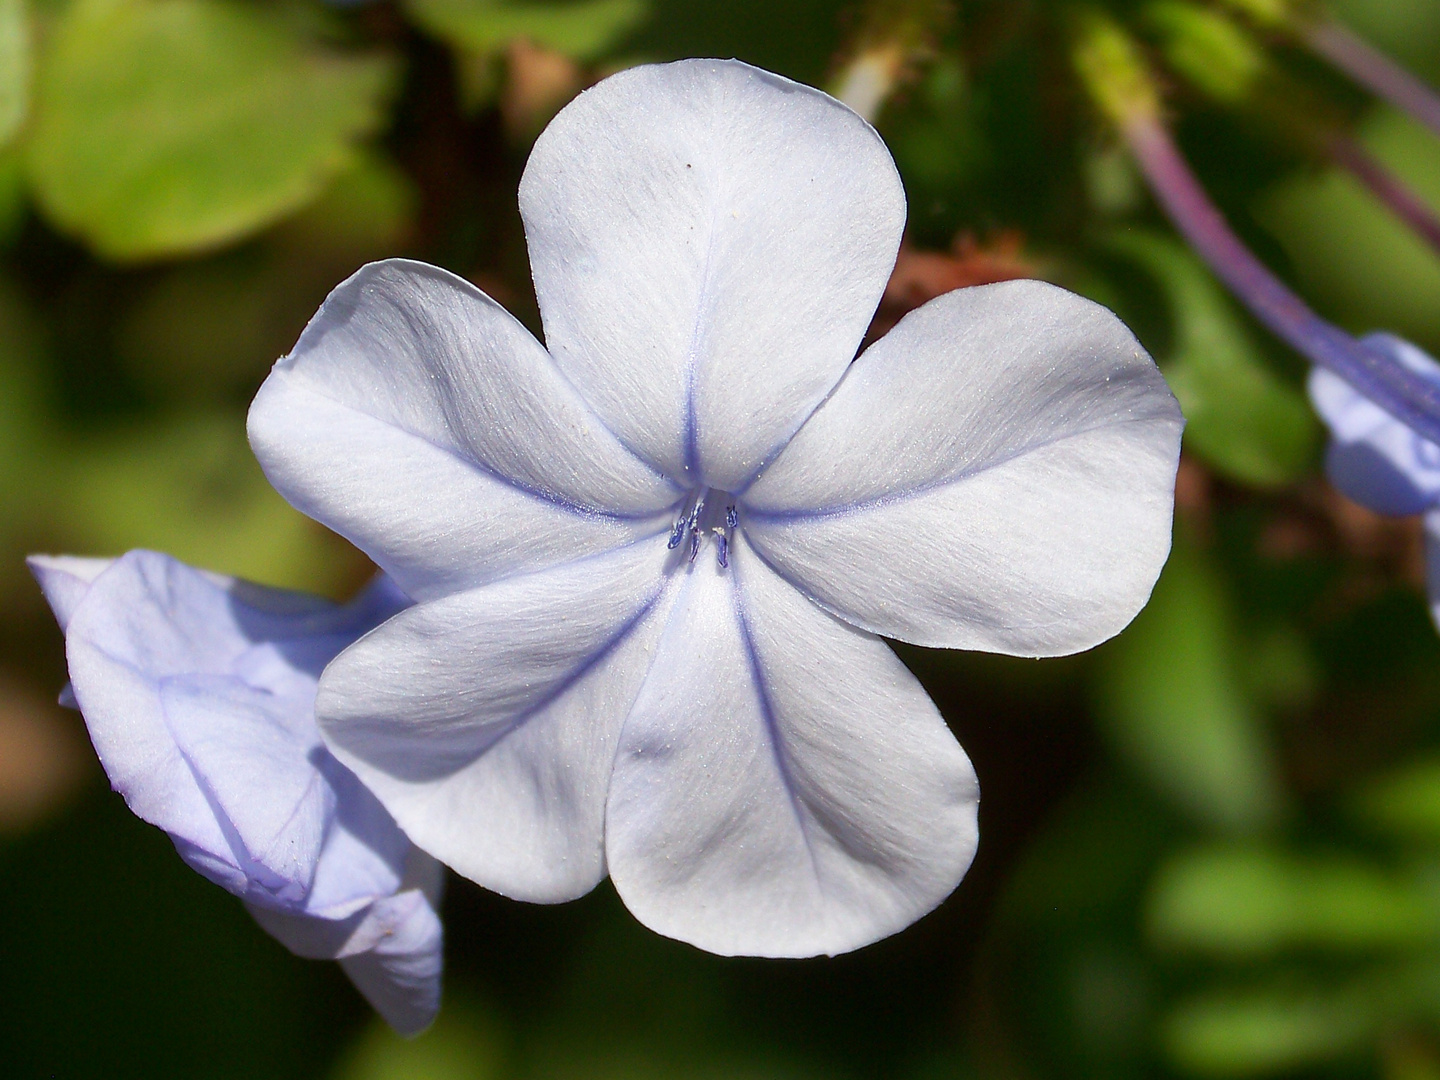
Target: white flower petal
784	787
197	691
399	973
240	742
145	619
996	473
391	951
486	721
708	243
416	417
65	579
365	853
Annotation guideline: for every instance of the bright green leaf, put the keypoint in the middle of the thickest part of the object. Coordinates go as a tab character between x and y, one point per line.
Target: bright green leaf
166	126
1208	49
579	28
1243	900
1173	704
14	66
1240	418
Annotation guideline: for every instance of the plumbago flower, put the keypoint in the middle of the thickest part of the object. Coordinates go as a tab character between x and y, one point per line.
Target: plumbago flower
651	558
1377	461
198	691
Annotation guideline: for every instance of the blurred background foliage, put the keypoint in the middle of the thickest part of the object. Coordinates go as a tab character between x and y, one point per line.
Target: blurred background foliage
1209	848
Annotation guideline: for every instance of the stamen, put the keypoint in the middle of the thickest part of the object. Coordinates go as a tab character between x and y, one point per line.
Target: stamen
677	534
694	544
722	547
730	519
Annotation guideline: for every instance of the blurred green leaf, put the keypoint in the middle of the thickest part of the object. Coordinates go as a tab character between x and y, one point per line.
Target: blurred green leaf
1351	254
1281	669
27	437
212	327
1243	900
935	137
1240	418
193	490
464	1043
1404	803
1245	1033
368	211
1172	703
14	66
579	28
1068	988
166	126
1296	1021
12	194
1208	48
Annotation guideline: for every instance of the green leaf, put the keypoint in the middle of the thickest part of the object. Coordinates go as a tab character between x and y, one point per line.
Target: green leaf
1243	900
1266	1031
1240	418
579	28
166	126
1405	803
12	194
1289	1024
1173	704
193	489
14	67
1355	262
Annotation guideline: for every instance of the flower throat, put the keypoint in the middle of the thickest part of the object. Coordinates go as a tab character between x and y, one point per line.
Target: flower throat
708	513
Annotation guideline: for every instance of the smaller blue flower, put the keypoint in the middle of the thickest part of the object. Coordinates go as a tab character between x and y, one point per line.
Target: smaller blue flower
1374	459
1377	461
199	694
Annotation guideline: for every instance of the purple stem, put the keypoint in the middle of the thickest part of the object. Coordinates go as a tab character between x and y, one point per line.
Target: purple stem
1388	188
1404	395
1375	71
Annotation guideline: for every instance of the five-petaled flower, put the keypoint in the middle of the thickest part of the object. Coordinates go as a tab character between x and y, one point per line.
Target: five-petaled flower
651	558
198	692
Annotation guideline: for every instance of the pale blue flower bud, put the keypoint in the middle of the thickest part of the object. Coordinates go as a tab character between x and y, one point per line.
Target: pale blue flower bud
199	693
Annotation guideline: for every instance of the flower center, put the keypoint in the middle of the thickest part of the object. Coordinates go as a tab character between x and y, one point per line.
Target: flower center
707	513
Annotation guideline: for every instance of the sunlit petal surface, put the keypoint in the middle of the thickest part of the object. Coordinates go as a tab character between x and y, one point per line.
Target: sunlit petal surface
995	473
487	721
708	242
784	785
419	419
